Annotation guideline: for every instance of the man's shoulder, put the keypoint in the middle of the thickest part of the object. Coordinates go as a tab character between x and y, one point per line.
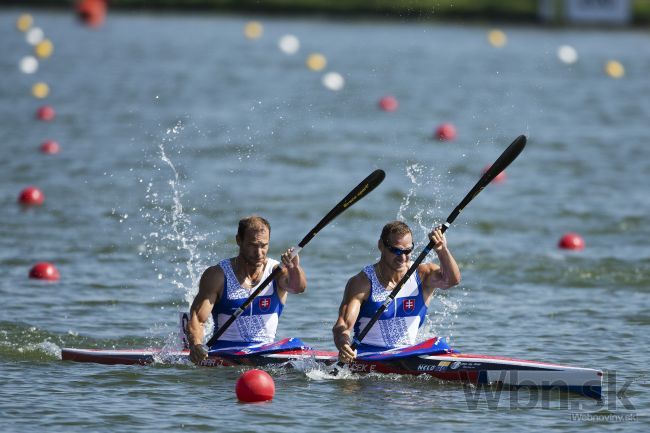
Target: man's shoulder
359	282
212	272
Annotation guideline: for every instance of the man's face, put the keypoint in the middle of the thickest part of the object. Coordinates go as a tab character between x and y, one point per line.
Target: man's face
254	247
395	251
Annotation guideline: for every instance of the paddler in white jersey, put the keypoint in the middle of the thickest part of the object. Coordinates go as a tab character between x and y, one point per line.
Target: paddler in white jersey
239	276
366	292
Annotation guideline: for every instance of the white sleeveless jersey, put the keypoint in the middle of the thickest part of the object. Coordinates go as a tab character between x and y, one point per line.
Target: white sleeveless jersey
399	323
259	321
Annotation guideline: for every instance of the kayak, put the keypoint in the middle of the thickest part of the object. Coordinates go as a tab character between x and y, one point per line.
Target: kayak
427	358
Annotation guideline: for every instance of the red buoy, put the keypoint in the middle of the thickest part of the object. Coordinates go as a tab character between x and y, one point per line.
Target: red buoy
92	12
255	386
388	103
445	132
44	271
571	241
501	177
50	147
31	196
45	113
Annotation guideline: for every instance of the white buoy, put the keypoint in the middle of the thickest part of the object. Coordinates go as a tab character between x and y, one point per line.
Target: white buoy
34	36
333	81
567	54
289	44
28	65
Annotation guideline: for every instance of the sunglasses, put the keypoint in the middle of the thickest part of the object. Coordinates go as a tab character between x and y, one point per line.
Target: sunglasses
397	251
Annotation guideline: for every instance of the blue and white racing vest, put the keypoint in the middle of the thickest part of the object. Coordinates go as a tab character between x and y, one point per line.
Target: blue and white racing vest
399	323
259	321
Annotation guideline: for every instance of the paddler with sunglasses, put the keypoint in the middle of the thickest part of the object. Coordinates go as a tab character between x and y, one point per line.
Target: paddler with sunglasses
366	292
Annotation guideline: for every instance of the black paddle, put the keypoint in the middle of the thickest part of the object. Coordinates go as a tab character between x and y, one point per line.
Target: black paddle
360	191
499	165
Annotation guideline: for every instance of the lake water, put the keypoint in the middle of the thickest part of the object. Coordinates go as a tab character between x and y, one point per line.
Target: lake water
172	127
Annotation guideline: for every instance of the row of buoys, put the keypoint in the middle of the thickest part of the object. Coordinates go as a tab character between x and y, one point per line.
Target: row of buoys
568	55
290	45
565	53
31	195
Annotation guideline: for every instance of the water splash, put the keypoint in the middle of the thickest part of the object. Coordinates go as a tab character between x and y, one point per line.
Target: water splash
172	245
181	228
421	209
425	212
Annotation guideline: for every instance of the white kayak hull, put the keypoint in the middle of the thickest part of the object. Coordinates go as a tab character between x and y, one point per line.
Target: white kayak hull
466	368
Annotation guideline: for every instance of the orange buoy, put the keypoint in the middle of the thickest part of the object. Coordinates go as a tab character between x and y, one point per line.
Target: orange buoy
45	113
571	241
388	103
255	386
31	196
44	271
92	12
50	147
445	132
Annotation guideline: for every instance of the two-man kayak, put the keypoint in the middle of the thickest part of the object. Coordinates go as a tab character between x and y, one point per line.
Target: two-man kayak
431	357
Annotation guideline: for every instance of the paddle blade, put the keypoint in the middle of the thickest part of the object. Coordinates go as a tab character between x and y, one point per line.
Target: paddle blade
360	191
508	155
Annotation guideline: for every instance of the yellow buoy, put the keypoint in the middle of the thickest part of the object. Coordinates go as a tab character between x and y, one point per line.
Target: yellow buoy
497	38
316	62
614	69
253	29
44	49
40	90
24	22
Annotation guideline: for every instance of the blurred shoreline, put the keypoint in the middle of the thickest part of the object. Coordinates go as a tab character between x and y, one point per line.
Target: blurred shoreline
457	11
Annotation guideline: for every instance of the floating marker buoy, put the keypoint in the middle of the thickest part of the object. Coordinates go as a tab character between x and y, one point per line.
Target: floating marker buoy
44	271
567	54
31	196
24	22
50	147
445	132
316	62
92	12
45	113
571	241
388	103
333	81
44	49
34	35
614	69
255	386
501	177
40	90
28	65
253	30
289	44
497	38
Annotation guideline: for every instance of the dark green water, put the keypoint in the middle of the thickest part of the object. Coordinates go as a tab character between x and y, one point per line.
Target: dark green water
173	127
